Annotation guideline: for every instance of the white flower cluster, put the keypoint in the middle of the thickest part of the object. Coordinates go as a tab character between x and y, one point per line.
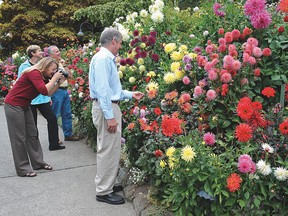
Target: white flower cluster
123	31
135	175
156	11
280	173
131	19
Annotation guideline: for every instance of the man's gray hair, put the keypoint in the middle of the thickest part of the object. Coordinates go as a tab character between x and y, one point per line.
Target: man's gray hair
50	49
108	35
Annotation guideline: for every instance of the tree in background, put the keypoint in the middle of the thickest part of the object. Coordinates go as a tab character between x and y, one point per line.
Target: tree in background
104	14
40	22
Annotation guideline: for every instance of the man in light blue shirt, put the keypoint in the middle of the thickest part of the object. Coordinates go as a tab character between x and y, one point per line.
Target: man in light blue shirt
42	102
106	92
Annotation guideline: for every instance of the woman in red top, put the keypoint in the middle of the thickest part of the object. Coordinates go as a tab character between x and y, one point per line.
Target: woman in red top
41	78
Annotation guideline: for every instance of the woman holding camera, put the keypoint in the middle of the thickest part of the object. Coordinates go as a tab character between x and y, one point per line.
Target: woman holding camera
41	78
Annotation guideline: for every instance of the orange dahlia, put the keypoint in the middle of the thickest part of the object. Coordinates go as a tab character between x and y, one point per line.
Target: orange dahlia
283	6
233	182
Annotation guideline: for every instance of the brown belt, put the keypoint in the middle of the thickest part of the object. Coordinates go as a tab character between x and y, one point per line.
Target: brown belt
63	88
113	101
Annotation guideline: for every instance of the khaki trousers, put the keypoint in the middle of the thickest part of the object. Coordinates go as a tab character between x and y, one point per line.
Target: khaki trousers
108	149
24	140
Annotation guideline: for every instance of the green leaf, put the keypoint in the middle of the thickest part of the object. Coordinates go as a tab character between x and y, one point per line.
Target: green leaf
207	188
230	202
275	77
225	193
242	203
226	123
263	190
247	195
158	182
284	78
257	202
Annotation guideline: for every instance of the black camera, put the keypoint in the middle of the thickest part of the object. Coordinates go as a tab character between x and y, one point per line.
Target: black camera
65	74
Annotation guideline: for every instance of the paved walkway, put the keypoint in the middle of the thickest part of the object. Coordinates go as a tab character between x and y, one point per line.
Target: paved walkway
68	190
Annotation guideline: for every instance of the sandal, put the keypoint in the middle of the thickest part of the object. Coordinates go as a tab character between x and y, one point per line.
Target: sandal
45	166
30	174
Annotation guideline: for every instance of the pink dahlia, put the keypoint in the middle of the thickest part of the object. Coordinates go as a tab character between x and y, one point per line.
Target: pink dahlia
211	94
186	80
261	20
222	41
226	77
266	52
209	138
257	52
228	37
237	65
244	165
212	75
252	41
236	34
245	157
252	60
197	91
228	59
252	6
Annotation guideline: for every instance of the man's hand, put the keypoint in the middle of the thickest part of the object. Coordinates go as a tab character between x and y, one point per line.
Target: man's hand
137	95
112	125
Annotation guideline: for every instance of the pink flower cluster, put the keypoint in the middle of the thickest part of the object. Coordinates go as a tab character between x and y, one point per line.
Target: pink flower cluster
227	69
252	52
218	10
246	165
259	16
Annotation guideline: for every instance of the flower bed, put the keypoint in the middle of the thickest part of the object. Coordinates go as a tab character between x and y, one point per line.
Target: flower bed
210	137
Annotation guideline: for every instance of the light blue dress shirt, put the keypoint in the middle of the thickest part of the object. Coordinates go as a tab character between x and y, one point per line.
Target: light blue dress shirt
40	99
104	82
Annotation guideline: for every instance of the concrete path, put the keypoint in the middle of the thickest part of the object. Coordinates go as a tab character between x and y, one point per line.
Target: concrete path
68	190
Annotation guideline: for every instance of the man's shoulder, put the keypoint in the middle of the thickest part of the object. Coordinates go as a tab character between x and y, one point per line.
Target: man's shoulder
100	56
25	64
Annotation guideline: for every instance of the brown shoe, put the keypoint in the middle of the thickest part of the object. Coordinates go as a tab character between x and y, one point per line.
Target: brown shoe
72	138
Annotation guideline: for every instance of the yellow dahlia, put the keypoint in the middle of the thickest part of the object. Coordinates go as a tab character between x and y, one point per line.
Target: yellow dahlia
152	85
175	66
183	48
122	68
176	56
170	151
169	47
162	164
188	154
140	61
179	74
169	78
151	74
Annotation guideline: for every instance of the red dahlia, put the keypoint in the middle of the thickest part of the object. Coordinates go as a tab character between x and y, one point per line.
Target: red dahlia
243	132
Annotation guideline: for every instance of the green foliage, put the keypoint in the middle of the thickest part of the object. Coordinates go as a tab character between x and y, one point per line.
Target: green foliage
103	15
33	22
